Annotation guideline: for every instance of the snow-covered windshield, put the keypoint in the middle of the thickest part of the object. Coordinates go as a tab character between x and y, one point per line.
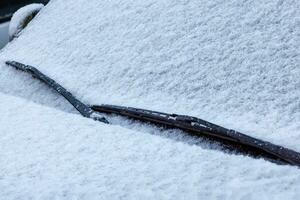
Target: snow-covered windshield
231	62
190	57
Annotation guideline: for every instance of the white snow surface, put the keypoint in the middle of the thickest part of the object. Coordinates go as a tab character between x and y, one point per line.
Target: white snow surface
234	63
17	21
42	159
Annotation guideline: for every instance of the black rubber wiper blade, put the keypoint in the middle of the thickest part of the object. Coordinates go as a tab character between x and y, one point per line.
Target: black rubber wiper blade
236	140
83	109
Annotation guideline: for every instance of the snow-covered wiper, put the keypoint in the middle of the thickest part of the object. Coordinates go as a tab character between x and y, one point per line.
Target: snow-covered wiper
238	141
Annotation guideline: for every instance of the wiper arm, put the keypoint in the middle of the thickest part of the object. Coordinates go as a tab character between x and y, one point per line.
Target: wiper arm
83	109
189	124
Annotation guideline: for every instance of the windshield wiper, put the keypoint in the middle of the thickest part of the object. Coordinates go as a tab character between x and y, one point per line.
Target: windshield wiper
233	140
83	109
238	141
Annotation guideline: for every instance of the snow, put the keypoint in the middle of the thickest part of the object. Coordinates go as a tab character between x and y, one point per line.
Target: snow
19	17
42	159
226	62
234	63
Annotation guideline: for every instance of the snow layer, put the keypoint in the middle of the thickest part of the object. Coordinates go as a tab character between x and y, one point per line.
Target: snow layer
42	159
18	19
233	62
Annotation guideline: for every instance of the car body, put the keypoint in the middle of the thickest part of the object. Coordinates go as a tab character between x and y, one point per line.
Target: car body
8	7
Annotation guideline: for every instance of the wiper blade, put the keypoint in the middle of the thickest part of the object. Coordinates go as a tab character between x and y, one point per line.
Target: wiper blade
199	127
196	126
83	109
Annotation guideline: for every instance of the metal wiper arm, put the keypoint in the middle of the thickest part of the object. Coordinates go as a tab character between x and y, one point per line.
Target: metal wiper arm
83	109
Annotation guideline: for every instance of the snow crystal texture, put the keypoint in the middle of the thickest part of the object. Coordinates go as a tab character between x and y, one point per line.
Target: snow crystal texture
233	62
57	155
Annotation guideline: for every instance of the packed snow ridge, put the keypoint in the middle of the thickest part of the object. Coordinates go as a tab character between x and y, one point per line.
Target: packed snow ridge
21	17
